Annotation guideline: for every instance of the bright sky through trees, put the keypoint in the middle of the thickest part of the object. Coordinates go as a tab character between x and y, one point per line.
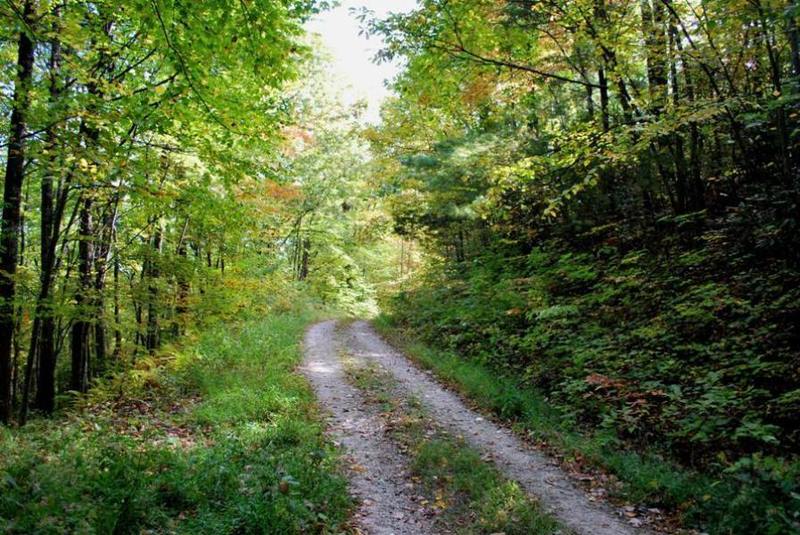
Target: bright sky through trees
352	52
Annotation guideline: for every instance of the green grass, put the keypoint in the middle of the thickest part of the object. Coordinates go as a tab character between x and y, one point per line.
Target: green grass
468	495
220	436
478	499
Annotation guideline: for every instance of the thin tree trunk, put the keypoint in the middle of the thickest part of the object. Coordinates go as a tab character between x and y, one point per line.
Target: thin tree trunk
117	318
85	297
777	86
654	36
695	188
101	268
15	371
17	352
610	65
182	297
589	96
82	326
681	166
304	258
153	339
604	101
43	337
18	322
182	302
794	39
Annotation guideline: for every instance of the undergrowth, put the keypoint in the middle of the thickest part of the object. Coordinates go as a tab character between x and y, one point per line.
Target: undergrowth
675	372
218	436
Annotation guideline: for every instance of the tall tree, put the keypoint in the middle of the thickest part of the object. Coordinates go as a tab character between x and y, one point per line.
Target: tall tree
12	201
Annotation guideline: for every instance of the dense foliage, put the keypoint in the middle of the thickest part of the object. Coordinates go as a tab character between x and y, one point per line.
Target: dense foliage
608	196
139	129
172	158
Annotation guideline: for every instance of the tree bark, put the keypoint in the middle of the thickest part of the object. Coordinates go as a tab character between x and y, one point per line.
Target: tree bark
152	340
682	174
603	81
43	338
794	38
9	229
777	86
182	301
103	249
82	326
654	36
117	315
304	258
85	296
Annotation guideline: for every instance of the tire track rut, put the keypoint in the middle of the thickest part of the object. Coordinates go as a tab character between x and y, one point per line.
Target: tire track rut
388	509
377	469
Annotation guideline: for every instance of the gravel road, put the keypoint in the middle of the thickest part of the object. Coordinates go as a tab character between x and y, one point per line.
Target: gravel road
380	472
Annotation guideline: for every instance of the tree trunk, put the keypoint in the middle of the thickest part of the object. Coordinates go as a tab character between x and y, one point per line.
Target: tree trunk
43	338
117	318
17	357
82	326
610	63
182	301
103	250
304	258
9	229
794	38
682	180
653	35
777	86
100	344
695	187
152	341
86	297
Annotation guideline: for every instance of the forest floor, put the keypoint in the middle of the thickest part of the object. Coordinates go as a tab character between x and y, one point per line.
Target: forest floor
422	461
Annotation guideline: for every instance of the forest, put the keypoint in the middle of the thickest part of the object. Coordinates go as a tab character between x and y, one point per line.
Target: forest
579	219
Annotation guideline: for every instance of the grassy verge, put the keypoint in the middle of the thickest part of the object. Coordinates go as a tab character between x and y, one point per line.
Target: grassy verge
635	477
466	494
220	436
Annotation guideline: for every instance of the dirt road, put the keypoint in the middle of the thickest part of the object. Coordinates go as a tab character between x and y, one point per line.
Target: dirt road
380	469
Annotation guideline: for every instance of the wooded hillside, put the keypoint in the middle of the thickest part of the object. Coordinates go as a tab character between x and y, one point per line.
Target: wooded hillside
609	191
